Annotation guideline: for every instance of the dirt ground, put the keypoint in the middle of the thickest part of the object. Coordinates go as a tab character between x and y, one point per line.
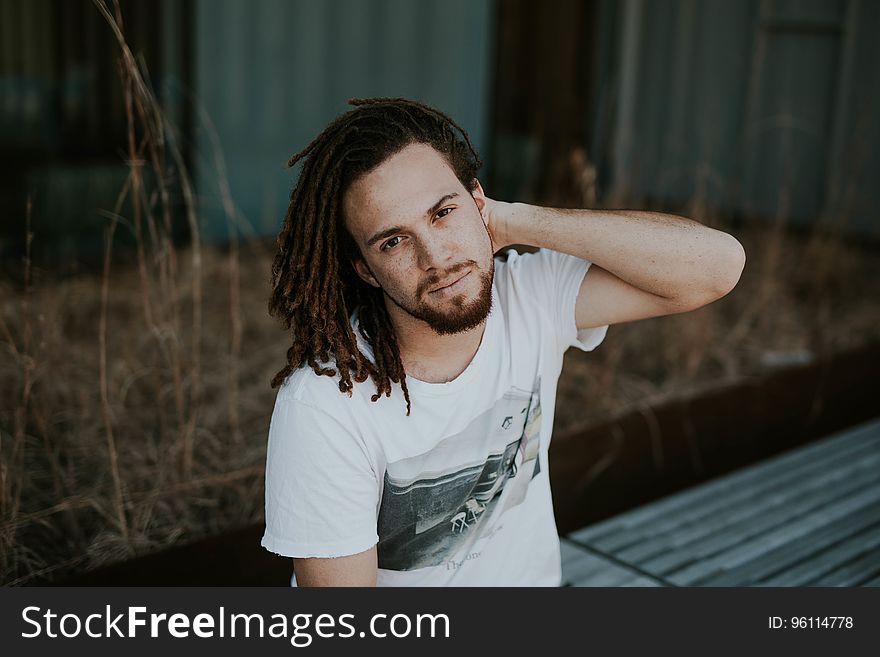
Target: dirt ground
166	447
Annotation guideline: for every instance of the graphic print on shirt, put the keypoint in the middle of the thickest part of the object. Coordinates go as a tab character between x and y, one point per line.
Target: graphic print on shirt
440	503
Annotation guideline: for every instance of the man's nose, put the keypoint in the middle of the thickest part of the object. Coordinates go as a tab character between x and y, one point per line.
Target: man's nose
435	253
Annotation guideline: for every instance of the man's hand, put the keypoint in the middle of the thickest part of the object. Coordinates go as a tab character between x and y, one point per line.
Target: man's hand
505	222
497	216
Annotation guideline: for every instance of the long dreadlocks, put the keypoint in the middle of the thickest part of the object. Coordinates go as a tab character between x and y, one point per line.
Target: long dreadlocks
315	288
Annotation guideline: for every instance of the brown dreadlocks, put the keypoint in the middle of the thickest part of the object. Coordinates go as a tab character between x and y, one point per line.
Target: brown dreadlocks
315	288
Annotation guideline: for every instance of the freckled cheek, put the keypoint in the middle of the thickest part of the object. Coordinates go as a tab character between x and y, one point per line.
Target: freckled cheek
458	244
403	273
472	236
471	244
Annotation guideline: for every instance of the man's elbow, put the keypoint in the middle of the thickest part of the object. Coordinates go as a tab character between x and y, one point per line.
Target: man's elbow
732	272
725	277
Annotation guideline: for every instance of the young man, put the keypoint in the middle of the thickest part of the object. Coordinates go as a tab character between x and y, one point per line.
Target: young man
434	471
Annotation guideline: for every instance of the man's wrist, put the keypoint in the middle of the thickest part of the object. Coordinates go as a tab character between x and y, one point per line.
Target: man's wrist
519	224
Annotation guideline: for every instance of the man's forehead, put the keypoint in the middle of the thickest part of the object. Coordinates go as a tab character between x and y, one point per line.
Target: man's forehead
401	188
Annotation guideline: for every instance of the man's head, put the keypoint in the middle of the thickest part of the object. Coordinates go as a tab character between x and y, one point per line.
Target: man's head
358	234
422	240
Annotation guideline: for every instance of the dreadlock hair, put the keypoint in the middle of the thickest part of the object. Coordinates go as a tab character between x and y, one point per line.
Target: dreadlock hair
315	287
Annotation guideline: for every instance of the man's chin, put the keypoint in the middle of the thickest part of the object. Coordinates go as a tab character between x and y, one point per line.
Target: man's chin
455	325
464	316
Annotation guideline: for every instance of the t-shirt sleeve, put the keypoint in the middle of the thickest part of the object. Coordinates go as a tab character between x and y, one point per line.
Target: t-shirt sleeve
322	493
554	279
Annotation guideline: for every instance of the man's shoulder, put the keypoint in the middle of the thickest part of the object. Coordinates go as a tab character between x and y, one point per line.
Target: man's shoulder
308	387
516	271
539	271
305	387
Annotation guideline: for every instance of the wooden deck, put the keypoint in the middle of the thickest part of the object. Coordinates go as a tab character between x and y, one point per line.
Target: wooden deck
808	517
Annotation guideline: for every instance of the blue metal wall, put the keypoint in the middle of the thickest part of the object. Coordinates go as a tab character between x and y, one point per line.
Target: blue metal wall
270	74
766	108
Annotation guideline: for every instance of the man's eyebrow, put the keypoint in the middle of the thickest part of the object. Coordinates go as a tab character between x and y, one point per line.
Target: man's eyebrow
381	235
388	232
437	205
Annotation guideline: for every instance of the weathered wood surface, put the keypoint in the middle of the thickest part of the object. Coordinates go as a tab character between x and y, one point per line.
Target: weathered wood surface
807	517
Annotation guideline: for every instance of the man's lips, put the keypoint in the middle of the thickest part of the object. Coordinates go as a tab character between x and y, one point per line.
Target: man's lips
449	284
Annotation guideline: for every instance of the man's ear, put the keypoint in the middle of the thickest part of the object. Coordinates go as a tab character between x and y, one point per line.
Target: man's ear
480	199
364	272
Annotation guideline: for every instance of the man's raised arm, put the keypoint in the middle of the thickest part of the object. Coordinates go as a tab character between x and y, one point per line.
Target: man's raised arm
645	263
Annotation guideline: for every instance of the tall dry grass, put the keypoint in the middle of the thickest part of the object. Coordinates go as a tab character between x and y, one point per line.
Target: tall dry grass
117	442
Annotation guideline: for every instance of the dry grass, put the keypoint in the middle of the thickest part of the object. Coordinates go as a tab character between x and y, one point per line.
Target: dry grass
135	403
61	474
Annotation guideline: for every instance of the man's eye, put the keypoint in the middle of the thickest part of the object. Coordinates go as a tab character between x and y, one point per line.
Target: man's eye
390	244
444	212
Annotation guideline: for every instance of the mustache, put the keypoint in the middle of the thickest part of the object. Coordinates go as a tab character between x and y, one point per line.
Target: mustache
434	279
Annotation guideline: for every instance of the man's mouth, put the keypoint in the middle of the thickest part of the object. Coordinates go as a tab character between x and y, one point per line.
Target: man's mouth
452	286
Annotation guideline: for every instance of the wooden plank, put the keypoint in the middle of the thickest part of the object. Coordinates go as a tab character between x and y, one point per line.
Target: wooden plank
866	500
854	573
589	567
743	533
609	575
582	568
570	553
578	563
641	581
848	531
803	573
867	434
748	509
750	495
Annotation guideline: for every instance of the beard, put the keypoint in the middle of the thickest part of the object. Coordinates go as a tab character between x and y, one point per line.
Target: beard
464	315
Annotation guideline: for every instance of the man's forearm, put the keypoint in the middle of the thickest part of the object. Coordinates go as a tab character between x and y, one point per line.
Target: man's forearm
664	254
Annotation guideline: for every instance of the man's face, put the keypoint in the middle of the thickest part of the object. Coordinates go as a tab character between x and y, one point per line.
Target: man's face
423	240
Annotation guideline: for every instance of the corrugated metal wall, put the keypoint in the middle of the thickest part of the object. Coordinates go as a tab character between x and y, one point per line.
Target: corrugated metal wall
760	106
271	74
766	107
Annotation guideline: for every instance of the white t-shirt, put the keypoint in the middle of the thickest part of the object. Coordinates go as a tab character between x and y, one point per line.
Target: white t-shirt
458	493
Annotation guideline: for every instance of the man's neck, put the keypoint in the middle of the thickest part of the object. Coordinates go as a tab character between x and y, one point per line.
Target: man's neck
429	356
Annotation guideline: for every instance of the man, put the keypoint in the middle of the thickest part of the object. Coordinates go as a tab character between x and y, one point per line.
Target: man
435	471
